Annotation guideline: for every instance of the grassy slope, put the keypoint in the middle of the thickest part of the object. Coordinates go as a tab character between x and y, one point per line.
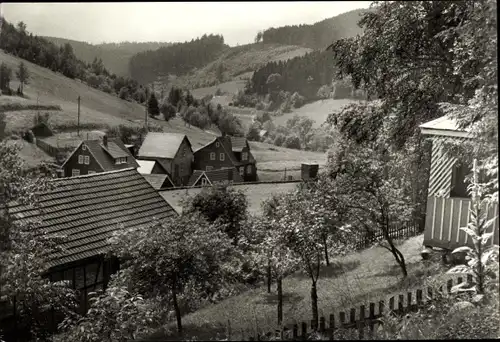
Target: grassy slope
101	108
317	111
350	281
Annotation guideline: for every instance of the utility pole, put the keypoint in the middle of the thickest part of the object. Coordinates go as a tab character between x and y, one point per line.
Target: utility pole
78	125
146	116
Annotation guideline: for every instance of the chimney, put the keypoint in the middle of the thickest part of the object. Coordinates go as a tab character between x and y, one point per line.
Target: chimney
105	141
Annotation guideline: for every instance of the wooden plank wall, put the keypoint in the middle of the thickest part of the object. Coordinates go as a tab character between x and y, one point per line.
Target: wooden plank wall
444	218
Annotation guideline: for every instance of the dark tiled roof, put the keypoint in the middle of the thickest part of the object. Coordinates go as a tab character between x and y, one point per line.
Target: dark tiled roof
106	161
161	145
115	151
87	209
159	181
238	143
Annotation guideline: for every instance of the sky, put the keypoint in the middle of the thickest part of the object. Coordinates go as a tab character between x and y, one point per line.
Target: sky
238	22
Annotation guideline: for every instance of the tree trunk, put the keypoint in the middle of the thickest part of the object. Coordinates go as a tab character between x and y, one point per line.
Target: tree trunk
326	251
269	280
314	304
176	306
280	300
400	259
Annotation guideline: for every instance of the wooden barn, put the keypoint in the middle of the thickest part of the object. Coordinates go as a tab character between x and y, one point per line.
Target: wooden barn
448	202
87	209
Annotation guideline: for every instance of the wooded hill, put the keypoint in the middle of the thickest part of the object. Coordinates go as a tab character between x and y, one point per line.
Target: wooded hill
318	35
115	56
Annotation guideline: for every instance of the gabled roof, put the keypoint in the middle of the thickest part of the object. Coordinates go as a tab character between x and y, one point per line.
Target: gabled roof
159	181
161	145
214	176
87	209
103	157
238	143
444	126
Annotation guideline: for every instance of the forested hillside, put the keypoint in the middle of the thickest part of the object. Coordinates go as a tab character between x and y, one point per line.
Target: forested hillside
20	43
316	36
115	56
178	59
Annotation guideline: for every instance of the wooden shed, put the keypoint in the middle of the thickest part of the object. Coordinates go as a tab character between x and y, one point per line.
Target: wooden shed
309	171
448	202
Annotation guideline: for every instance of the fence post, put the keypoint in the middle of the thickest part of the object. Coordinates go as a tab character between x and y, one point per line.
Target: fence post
419	297
372	318
322	324
352	316
381	307
361	321
331	326
342	318
410	297
401	303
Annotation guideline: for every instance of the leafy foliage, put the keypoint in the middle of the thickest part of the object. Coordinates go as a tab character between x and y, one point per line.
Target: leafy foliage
222	204
26	249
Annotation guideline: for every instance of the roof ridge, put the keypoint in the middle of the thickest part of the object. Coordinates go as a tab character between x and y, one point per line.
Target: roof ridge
93	174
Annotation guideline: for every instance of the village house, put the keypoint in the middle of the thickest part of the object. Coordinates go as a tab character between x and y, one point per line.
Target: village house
172	151
148	167
228	175
227	152
159	181
87	210
448	201
94	156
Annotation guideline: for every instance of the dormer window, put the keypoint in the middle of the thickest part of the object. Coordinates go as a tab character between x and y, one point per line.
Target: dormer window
217	144
121	160
244	156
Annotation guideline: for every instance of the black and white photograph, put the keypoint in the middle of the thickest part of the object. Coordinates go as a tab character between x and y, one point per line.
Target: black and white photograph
249	171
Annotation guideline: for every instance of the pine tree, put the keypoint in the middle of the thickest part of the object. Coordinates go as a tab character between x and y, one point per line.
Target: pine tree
153	108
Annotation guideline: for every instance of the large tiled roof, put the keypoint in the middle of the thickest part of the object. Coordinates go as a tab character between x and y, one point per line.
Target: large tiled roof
87	209
159	181
115	151
161	145
106	161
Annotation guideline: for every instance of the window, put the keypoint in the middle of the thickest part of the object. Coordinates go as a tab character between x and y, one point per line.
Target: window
117	161
124	160
80	159
75	172
87	160
204	181
244	156
217	144
242	171
249	169
84	147
222	156
212	155
183	152
209	168
91	172
458	182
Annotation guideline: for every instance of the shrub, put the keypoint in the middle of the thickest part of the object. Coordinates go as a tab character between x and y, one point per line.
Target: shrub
297	100
292	141
279	140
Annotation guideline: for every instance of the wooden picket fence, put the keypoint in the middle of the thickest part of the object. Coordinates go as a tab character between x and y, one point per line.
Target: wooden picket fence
365	239
360	320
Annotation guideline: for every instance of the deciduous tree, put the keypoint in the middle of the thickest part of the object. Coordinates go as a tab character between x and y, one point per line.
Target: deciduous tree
22	75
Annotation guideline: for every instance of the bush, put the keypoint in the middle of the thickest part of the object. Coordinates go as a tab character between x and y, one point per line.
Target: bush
297	100
292	141
260	106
